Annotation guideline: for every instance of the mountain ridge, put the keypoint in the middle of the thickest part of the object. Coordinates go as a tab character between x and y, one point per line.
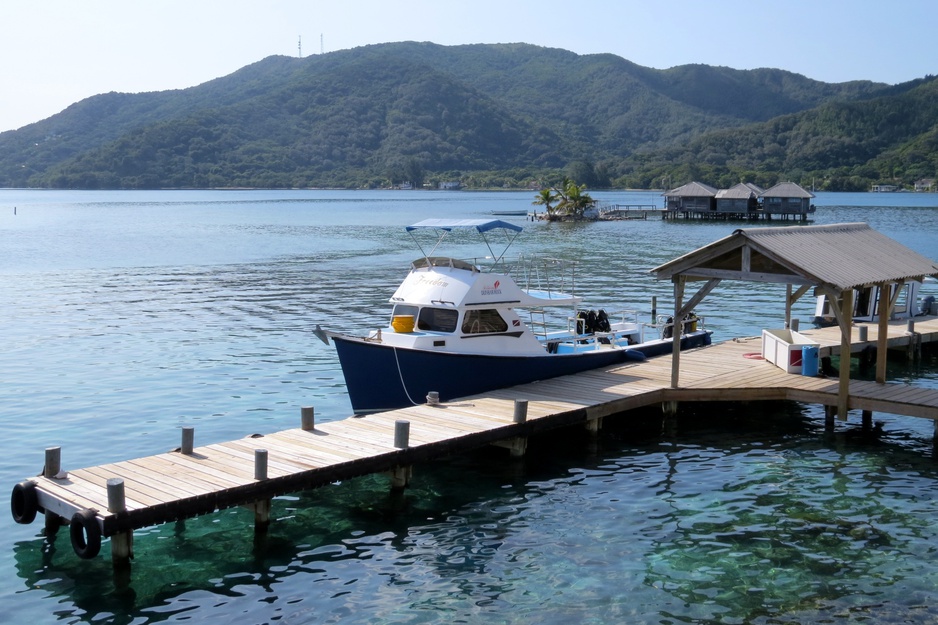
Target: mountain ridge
485	114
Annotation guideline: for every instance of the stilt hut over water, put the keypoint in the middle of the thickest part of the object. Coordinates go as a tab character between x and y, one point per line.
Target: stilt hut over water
696	200
787	199
741	201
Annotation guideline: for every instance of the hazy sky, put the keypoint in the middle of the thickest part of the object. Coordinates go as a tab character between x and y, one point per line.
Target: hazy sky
57	52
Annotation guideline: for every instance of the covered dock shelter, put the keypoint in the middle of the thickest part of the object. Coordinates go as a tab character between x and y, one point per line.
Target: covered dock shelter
833	260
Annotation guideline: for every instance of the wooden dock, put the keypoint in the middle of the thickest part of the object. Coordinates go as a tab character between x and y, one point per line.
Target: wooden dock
112	500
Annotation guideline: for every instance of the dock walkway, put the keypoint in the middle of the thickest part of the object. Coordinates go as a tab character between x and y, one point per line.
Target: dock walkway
181	484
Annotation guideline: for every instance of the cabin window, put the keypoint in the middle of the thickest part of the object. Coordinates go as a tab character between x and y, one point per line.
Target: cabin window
483	321
437	319
405	309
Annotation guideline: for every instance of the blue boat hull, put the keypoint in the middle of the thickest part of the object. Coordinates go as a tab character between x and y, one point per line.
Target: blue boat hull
380	377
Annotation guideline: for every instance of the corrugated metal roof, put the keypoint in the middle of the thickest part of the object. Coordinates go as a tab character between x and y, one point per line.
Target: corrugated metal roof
839	255
692	189
787	189
739	192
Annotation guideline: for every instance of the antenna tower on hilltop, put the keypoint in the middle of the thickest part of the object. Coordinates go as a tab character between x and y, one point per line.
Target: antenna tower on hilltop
299	46
321	49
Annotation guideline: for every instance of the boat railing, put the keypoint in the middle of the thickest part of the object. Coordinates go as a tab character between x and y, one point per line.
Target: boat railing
664	324
547	274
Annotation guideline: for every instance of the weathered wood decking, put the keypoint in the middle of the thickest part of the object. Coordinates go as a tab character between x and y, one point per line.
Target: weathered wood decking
176	485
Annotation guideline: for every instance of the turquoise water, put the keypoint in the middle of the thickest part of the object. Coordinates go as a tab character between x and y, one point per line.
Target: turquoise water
130	314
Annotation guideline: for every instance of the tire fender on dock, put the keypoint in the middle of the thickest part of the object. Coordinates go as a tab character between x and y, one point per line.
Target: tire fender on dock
85	534
24	503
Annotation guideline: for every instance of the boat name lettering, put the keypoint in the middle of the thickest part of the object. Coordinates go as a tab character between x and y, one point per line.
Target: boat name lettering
434	282
492	289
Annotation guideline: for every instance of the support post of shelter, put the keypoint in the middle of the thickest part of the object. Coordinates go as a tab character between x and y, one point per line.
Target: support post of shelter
679	281
846	328
882	336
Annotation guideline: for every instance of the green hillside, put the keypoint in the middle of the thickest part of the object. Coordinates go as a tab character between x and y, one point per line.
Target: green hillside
486	115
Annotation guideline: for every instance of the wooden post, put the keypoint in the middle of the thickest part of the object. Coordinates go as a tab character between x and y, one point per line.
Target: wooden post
521	411
594	425
788	291
260	464
400	475
518	446
116	501
402	434
188	439
654	307
52	524
676	331
910	332
53	465
308	418
829	413
843	389
261	509
882	337
867	421
122	543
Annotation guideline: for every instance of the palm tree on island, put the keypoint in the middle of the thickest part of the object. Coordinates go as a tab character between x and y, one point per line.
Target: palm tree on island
572	201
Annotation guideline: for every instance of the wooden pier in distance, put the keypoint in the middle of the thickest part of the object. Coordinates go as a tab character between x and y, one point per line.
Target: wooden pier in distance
114	499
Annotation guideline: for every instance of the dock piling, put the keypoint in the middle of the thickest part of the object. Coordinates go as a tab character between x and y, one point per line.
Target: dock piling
521	411
308	418
116	501
188	439
53	465
122	543
402	434
260	464
400	475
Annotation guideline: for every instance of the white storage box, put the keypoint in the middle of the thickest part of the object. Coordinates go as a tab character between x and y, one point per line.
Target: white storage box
783	348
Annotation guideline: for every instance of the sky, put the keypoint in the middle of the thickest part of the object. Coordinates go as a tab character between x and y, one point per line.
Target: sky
54	53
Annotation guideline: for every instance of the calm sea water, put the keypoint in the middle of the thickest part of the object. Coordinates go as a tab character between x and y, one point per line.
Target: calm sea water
127	315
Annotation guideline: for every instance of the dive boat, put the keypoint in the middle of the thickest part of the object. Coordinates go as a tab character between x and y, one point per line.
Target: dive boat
455	328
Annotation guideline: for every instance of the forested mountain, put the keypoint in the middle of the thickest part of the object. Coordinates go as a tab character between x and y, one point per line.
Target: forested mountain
486	115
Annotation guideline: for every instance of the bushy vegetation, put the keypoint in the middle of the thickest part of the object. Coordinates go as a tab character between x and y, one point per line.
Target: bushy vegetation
487	116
